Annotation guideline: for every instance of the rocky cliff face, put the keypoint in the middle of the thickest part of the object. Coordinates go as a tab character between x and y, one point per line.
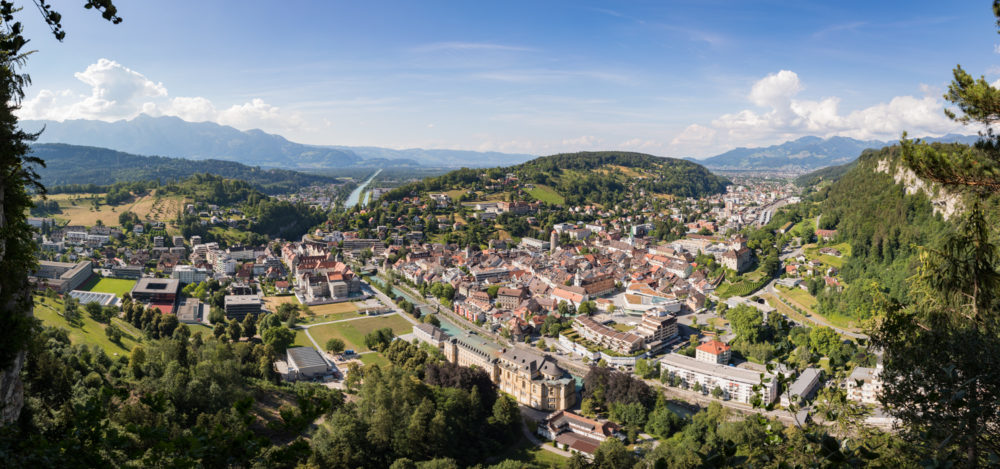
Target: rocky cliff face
11	387
11	391
946	203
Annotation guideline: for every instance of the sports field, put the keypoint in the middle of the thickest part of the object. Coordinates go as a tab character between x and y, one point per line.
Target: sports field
353	332
118	286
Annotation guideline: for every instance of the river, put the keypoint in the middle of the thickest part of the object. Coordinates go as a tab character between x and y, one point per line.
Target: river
355	196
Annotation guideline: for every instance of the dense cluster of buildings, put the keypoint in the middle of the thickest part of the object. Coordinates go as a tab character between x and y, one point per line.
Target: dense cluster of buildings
534	279
320	277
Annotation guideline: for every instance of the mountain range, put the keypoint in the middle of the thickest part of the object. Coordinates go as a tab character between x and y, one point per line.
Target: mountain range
175	137
807	153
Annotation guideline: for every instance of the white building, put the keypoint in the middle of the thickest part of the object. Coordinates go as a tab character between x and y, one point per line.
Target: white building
713	351
736	383
864	385
304	363
225	265
657	328
803	387
189	274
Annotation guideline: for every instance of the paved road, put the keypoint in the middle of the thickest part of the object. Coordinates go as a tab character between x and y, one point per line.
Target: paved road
814	318
795	253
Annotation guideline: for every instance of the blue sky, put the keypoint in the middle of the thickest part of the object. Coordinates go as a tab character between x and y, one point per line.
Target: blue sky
669	78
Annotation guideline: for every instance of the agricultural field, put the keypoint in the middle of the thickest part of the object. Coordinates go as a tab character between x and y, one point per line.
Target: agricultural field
157	208
118	286
88	331
456	193
353	332
78	209
741	288
785	309
546	194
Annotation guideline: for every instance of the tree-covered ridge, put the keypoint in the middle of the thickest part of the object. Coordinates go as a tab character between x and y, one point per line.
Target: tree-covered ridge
884	225
658	175
605	178
78	165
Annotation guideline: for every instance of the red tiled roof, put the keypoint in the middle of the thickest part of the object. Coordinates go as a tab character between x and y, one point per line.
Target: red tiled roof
714	347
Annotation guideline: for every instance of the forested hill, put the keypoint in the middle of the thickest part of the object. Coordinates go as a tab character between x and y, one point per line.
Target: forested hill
883	223
605	178
72	164
608	176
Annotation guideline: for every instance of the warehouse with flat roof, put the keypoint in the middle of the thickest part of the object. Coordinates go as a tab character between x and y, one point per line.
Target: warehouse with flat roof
305	363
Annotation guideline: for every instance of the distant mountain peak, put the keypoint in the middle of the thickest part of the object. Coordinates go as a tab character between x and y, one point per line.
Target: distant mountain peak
805	153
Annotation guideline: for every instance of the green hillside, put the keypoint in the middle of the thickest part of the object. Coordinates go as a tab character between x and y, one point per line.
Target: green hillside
883	225
604	178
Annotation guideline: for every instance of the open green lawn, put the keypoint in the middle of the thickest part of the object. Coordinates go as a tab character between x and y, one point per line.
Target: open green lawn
808	302
797	229
353	332
87	332
784	309
800	296
841	321
330	312
118	286
301	340
623	327
206	331
328	317
546	194
376	358
532	456
456	193
812	252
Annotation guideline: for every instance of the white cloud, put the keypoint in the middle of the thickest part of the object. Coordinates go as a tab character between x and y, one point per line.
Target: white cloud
787	118
776	89
117	92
